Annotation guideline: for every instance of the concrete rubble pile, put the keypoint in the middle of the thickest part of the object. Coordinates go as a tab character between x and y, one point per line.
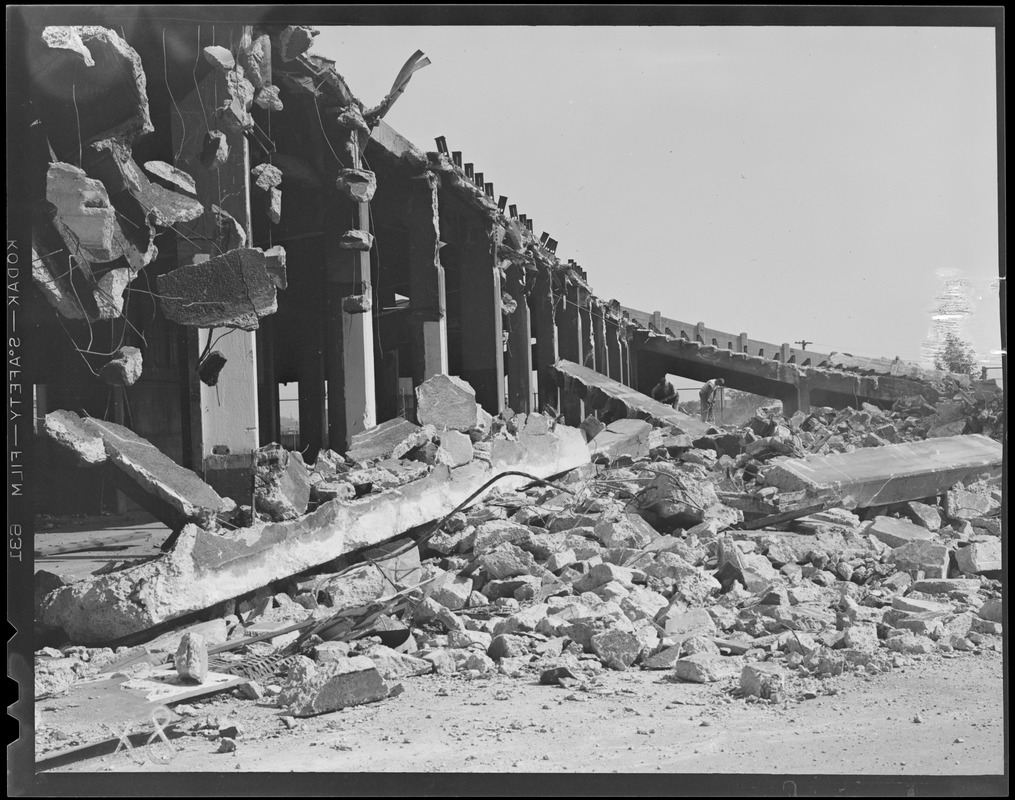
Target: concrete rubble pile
650	560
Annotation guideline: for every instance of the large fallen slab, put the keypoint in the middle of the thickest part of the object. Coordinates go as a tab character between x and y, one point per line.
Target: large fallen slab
622	401
173	494
207	568
896	473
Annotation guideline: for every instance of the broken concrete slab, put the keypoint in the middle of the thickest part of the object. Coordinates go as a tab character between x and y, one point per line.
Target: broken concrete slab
897	532
622	401
890	474
204	569
173	494
923	514
706	668
391	439
623	437
233	290
961	504
930	558
339	684
281	483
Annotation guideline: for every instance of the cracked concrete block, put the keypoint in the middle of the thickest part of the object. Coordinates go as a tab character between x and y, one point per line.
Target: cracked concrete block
706	668
616	649
281	483
391	439
358	185
764	680
357	587
929	557
338	684
191	659
232	290
294	41
124	368
455	449
83	208
448	402
979	557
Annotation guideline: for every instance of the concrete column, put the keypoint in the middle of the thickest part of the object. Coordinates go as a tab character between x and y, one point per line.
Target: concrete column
267	397
742	342
784	353
481	319
657	321
224	425
625	355
519	325
602	355
545	330
427	295
616	371
588	341
569	342
349	348
699	332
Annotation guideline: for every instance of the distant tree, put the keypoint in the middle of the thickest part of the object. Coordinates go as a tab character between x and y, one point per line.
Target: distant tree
956	355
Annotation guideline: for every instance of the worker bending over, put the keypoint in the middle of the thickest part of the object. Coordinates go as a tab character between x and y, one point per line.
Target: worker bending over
665	393
707	396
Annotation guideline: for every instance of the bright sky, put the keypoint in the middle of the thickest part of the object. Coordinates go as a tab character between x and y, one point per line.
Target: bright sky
790	182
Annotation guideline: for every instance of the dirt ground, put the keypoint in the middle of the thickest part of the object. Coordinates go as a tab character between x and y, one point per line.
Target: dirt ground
941	714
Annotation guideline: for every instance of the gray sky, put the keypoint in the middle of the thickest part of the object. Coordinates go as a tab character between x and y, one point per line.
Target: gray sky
789	182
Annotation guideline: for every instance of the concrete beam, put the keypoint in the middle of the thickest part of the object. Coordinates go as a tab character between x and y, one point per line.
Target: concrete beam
619	401
205	569
519	342
895	473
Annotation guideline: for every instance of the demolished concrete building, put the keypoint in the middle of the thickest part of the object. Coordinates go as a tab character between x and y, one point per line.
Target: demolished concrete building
205	239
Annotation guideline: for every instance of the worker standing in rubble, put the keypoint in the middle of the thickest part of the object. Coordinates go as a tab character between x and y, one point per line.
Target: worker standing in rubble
707	396
665	393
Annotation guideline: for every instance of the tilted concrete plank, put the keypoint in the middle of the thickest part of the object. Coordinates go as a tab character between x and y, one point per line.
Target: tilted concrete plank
622	401
891	474
207	568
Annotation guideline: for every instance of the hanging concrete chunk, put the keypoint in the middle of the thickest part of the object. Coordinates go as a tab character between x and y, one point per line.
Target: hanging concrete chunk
83	211
206	568
357	185
214	150
235	111
619	400
233	290
274	262
210	367
220	57
890	474
124	369
281	483
67	37
256	61
294	41
176	178
266	176
111	91
170	492
230	233
356	240
275	205
268	99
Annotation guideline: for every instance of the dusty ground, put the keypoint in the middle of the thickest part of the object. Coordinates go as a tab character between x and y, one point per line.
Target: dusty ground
625	722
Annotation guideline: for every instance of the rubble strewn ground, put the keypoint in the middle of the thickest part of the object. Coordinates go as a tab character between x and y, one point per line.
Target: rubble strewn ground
672	570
